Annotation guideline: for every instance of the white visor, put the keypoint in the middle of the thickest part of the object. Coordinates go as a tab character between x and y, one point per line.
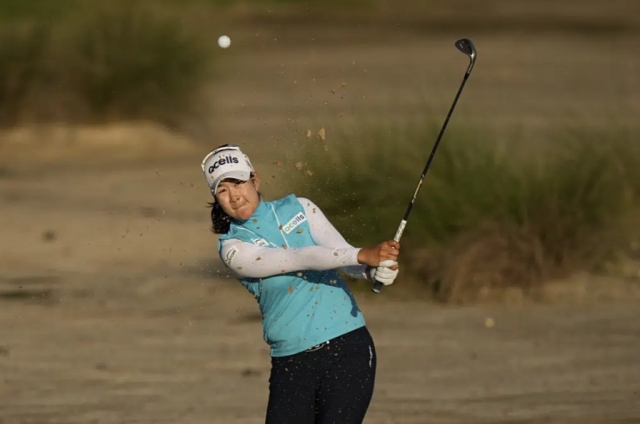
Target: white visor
226	162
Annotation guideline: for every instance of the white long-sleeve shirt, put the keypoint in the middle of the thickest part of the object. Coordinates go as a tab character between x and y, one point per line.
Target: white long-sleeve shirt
332	252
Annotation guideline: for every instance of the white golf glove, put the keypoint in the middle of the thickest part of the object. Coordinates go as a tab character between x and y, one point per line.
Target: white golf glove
384	273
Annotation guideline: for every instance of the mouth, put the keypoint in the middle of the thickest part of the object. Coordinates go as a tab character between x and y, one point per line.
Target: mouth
236	207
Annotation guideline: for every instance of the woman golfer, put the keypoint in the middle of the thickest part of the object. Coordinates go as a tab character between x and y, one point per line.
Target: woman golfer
287	254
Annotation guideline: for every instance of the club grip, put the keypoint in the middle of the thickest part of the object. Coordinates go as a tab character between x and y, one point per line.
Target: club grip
377	286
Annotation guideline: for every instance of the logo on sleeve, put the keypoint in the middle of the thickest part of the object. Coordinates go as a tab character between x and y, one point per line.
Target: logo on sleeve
230	254
260	242
295	221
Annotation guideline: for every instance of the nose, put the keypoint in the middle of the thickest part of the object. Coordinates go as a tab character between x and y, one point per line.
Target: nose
234	194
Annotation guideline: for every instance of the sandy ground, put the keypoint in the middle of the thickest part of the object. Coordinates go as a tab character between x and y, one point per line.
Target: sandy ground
113	307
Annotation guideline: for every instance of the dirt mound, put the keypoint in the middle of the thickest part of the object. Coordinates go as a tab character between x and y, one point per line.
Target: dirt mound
61	144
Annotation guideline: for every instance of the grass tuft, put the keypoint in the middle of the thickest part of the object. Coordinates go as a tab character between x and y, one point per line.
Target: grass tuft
22	67
493	215
102	62
129	62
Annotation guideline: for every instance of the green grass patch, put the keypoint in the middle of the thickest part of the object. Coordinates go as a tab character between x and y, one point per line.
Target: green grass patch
493	213
101	61
304	3
35	9
130	62
22	67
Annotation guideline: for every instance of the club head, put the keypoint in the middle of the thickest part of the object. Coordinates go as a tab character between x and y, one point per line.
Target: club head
466	46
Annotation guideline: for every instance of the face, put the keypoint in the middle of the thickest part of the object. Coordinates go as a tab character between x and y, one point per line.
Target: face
239	199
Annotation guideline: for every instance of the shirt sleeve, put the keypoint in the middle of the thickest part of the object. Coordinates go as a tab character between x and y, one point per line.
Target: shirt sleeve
252	261
325	234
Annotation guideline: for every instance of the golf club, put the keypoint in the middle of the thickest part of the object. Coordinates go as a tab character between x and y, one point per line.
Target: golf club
465	46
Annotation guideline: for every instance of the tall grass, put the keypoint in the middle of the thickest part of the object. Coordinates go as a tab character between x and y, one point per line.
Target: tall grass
130	62
492	213
99	61
38	9
22	67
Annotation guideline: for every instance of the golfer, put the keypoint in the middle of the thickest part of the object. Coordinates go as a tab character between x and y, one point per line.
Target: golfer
287	255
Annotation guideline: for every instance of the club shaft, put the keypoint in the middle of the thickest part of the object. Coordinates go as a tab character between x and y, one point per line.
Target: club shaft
377	286
428	164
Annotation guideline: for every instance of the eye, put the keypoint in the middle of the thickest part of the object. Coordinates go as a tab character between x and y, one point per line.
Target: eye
220	191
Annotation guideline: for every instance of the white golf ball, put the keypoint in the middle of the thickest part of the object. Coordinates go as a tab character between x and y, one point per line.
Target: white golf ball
224	41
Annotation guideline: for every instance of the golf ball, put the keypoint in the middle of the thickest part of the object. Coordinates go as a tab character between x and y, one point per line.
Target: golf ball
224	41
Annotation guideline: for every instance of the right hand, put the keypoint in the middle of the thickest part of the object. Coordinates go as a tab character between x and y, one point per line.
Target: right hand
372	256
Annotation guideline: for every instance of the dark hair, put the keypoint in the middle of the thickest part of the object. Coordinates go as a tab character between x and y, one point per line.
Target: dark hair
220	221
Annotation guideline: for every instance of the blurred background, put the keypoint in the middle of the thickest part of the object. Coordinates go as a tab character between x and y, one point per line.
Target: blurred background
517	299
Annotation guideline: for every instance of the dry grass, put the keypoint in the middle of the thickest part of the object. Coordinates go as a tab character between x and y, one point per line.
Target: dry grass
492	219
101	63
22	67
486	264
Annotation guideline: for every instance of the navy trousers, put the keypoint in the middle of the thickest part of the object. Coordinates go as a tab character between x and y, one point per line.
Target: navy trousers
331	383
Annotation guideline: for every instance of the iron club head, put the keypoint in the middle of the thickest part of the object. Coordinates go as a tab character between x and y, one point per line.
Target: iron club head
466	46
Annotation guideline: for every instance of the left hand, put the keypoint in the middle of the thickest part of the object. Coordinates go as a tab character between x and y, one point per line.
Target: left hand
386	272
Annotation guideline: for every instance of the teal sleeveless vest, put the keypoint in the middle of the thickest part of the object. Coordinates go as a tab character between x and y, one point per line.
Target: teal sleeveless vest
299	309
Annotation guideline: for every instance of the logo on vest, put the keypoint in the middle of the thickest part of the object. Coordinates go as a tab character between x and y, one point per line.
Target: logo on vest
295	221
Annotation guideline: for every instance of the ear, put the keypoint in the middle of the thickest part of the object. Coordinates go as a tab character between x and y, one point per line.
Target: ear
256	181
